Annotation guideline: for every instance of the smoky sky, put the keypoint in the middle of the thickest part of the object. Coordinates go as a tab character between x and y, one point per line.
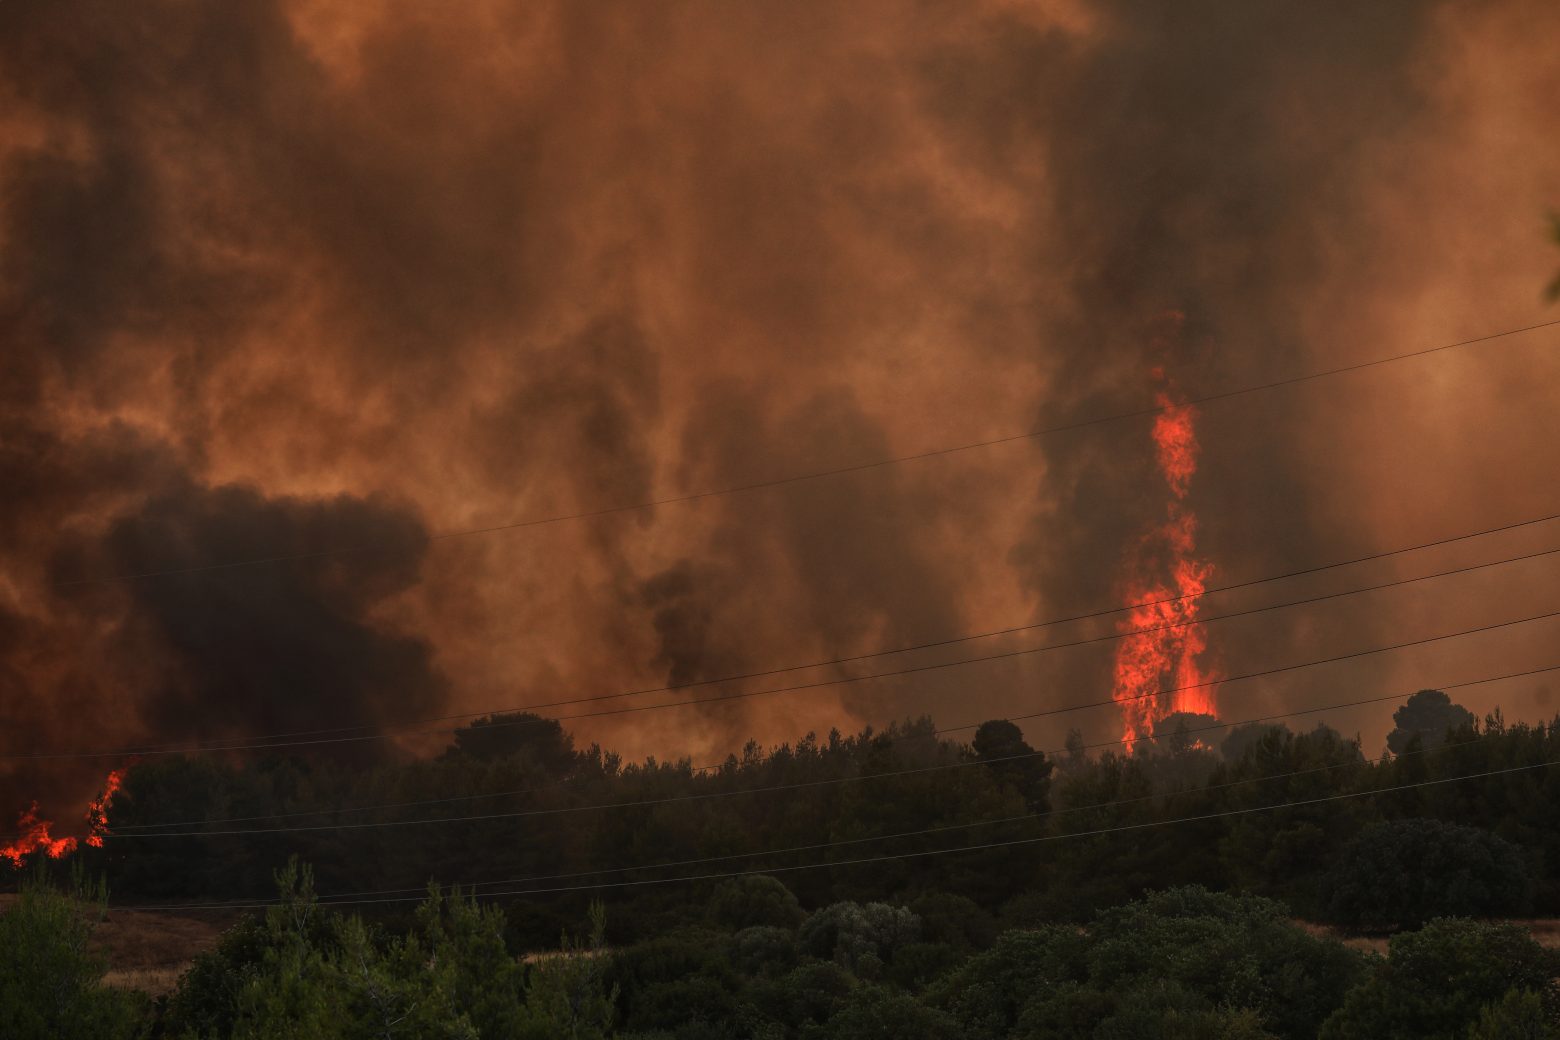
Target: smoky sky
283	277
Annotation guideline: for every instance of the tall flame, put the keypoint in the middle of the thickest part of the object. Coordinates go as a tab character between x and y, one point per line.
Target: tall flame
97	809
1165	578
35	833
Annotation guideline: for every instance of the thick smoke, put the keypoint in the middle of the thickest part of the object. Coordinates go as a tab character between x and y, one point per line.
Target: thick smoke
283	276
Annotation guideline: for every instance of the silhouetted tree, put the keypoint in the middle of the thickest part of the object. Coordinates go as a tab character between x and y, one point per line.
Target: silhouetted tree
517	733
1436	982
1002	744
1401	873
1427	715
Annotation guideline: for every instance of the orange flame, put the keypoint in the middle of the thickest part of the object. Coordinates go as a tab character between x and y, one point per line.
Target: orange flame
97	809
35	836
1165	577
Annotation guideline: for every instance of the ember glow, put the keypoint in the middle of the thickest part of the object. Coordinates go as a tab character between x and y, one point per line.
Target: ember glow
1166	579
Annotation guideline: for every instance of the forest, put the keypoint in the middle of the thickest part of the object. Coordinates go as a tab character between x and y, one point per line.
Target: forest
898	883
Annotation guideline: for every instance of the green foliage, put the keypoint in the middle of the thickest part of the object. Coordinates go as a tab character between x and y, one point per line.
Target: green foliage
959	921
988	992
916	965
803	998
306	971
764	950
754	899
860	937
1229	951
1402	873
1191	962
1437	983
570	995
50	982
1520	1015
876	1013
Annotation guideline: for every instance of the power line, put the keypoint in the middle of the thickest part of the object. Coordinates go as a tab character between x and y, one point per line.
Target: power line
390	732
896	857
816	474
830	662
642	803
127	830
1023	816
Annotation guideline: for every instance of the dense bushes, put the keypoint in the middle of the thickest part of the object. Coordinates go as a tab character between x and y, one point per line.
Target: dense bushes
1402	873
305	971
1207	961
1182	964
1450	977
50	984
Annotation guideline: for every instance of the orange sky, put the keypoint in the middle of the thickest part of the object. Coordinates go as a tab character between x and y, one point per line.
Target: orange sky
283	277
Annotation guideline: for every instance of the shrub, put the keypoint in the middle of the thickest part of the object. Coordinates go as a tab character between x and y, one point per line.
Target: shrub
915	965
807	996
1403	873
956	920
1436	983
874	1013
860	937
50	985
756	899
764	950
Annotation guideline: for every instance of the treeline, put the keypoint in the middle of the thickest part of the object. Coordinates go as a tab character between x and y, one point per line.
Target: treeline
1183	964
1304	817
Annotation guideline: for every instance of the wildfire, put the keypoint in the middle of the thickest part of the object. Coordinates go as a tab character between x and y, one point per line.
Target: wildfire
97	809
35	837
1164	575
34	832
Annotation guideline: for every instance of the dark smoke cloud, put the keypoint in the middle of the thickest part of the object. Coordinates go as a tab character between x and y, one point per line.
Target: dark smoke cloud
278	277
276	647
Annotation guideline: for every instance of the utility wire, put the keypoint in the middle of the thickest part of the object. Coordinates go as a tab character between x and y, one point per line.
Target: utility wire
640	803
816	474
128	830
899	857
174	748
391	732
624	868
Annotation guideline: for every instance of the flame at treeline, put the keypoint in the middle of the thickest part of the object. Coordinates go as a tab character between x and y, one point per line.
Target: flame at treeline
35	834
1157	670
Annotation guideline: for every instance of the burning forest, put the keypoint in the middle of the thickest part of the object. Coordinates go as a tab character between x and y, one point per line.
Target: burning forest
858	516
1157	669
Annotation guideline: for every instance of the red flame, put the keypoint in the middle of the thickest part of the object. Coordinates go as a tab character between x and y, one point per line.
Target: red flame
1164	574
97	809
35	836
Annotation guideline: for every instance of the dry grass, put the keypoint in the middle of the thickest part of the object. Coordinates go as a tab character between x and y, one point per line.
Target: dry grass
1545	930
148	951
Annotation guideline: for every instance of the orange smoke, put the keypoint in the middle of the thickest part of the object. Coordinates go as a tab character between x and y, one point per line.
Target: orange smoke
35	836
1164	576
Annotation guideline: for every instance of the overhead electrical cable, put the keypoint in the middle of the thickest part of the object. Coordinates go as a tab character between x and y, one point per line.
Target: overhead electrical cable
129	830
909	648
644	802
815	474
393	731
899	857
1022	817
